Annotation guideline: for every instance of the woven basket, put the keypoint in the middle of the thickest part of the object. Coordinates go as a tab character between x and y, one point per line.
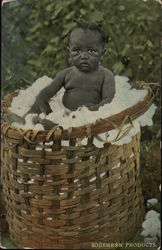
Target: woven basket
67	197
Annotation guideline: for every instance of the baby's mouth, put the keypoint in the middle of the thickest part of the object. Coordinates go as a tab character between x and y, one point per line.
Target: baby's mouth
84	64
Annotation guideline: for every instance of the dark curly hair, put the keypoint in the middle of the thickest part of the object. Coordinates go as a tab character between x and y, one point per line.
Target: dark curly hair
87	26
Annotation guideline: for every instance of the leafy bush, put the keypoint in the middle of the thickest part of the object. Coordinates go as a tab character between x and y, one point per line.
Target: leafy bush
34	37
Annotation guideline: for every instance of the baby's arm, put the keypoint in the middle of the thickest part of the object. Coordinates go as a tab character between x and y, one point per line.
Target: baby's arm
108	89
41	104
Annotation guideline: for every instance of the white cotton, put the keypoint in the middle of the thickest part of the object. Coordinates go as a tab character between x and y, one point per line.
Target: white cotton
92	179
76	180
103	174
151	226
116	166
65	143
100	143
38	127
31	181
152	202
125	97
26	98
146	118
126	138
42	116
49	218
84	141
152	214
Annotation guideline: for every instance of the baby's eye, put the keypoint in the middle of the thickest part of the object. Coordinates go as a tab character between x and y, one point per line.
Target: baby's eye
91	51
76	51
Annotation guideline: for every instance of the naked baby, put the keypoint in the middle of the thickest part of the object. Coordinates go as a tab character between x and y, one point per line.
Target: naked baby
87	82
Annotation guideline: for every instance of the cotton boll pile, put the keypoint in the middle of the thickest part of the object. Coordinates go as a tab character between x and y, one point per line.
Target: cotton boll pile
152	202
151	225
26	98
125	97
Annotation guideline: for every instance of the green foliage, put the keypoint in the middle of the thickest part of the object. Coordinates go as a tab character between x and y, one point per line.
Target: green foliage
34	37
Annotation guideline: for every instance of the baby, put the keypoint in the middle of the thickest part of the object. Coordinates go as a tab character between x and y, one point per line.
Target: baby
87	82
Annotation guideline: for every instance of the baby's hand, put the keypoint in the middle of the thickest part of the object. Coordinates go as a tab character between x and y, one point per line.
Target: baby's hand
36	119
91	106
47	124
40	107
45	108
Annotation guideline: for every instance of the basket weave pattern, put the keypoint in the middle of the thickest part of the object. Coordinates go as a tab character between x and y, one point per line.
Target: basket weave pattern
63	196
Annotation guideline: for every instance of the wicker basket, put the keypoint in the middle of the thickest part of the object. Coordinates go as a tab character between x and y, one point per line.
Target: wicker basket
67	197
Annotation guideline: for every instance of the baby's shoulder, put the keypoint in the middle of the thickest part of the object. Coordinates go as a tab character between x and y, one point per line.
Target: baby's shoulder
106	72
62	74
65	71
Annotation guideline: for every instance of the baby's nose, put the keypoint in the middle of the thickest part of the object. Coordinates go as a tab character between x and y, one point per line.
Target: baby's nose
84	55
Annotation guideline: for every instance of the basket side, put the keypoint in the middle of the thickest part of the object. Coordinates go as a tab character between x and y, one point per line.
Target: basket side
65	197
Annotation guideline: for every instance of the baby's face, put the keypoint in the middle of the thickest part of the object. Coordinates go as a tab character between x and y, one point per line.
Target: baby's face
86	49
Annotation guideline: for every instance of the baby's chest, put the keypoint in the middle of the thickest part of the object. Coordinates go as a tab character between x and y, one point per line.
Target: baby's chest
84	82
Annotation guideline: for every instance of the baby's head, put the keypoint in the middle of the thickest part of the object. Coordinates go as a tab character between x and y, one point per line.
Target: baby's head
86	44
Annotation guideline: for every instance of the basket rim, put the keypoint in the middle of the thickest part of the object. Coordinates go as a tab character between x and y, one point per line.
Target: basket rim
91	129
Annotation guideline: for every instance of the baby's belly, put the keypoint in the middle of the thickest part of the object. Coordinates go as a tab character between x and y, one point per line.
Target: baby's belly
77	98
